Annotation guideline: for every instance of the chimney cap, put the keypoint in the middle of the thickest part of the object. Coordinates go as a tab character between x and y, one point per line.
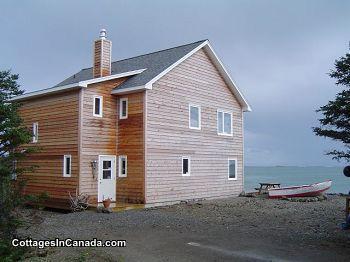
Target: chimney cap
103	34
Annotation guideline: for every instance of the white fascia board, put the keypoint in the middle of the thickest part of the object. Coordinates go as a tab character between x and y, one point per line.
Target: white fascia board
46	91
220	66
106	78
150	83
75	85
128	90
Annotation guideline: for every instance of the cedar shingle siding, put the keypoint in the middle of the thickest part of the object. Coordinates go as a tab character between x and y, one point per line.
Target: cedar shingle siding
169	138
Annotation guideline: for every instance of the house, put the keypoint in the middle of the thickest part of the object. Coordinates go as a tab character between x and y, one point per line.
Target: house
152	129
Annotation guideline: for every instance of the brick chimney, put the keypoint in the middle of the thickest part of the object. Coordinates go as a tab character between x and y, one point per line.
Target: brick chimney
102	56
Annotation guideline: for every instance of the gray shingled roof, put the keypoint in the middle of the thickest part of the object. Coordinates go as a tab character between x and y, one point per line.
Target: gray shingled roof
154	63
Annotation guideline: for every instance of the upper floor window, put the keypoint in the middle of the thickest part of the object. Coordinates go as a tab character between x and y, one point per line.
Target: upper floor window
98	105
224	123
194	117
35	132
123	108
67	165
232	169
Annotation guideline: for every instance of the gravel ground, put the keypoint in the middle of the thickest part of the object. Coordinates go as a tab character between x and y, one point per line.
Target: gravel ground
239	229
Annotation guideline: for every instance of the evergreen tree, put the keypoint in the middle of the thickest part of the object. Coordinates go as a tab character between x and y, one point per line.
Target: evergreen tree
13	138
335	123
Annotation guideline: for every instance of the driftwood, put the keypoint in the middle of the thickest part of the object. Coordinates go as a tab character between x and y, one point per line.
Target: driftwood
79	202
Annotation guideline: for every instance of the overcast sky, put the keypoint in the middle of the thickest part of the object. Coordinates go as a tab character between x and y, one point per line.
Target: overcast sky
278	52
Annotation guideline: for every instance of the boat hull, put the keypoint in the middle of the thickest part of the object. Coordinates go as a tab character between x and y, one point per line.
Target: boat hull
300	191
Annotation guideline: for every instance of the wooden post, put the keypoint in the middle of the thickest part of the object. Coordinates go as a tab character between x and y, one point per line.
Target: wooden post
347	208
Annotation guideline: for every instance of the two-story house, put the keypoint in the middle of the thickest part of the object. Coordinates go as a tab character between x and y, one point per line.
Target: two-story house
154	129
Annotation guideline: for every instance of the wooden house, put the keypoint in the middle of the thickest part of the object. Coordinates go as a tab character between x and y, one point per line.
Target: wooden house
153	129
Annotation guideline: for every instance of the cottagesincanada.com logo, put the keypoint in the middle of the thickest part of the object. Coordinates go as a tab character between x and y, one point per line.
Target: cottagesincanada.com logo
68	242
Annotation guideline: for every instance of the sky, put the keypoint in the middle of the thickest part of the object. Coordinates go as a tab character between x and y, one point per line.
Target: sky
278	52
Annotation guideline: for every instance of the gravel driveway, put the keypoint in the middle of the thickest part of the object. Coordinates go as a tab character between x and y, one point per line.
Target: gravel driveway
239	229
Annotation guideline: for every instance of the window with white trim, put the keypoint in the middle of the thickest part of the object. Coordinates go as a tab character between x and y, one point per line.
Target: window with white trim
224	123
232	169
35	132
98	106
67	165
123	166
186	166
194	113
123	108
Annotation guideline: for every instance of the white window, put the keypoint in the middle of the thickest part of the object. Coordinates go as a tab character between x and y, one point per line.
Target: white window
35	132
232	169
67	165
186	166
98	106
123	166
194	113
123	108
224	123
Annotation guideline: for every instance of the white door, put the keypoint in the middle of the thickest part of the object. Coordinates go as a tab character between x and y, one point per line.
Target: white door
106	178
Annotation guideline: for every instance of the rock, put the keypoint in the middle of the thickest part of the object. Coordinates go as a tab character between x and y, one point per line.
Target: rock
107	210
104	210
322	197
42	252
242	194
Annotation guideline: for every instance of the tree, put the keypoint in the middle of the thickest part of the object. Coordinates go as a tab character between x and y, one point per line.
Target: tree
13	138
335	123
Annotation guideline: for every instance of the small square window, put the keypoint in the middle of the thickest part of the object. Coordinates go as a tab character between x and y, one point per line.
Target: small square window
123	166
67	165
98	105
35	132
123	108
186	169
232	169
194	117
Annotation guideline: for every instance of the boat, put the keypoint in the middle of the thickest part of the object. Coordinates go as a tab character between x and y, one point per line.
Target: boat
312	190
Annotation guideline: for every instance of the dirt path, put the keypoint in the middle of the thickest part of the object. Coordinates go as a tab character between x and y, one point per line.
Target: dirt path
239	229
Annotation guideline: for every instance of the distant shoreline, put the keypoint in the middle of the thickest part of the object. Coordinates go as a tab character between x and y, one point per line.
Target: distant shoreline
296	175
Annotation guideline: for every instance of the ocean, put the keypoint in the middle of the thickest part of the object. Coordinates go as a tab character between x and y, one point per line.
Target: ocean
293	176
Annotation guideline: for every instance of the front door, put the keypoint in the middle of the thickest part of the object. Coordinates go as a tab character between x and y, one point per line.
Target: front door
106	178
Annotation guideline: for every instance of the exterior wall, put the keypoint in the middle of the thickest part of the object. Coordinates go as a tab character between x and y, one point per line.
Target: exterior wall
100	136
168	136
57	116
131	143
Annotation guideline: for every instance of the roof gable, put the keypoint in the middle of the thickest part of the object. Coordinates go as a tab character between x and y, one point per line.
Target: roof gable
139	82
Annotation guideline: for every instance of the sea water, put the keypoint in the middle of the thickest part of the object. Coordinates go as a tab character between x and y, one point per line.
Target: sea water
294	176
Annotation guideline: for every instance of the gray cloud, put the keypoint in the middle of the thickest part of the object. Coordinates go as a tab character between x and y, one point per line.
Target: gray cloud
278	52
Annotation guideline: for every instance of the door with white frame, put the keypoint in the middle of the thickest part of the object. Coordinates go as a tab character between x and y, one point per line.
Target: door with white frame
106	177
